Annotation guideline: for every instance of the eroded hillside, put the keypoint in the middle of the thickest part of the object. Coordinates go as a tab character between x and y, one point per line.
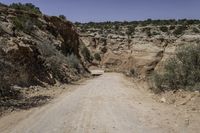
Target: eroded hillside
36	49
139	47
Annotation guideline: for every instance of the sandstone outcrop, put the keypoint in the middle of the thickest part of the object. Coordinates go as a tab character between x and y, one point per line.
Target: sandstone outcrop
38	51
144	51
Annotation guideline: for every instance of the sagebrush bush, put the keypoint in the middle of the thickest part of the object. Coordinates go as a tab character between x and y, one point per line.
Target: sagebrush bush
195	30
157	81
133	72
179	30
73	61
181	71
86	53
147	30
55	61
26	23
97	56
155	33
54	65
172	27
130	30
62	17
164	28
116	27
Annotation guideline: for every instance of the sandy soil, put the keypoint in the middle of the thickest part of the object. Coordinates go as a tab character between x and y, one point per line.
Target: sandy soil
107	104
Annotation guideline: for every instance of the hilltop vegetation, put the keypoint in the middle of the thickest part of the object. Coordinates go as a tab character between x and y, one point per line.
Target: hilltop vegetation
174	27
115	24
29	7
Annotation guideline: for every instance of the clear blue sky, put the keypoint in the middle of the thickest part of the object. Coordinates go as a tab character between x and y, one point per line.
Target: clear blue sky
117	10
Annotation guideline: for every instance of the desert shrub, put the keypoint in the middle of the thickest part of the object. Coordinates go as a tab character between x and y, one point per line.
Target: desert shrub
162	39
86	53
26	23
157	81
155	33
190	22
97	56
130	30
179	30
116	27
54	64
172	27
148	32
23	23
73	61
62	17
104	50
133	72
195	30
26	7
164	28
181	71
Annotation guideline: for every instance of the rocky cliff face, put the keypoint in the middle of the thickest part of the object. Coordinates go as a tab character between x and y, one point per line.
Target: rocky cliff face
136	47
36	49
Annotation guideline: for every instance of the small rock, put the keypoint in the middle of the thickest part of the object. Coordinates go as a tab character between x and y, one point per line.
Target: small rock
192	99
163	100
183	96
193	109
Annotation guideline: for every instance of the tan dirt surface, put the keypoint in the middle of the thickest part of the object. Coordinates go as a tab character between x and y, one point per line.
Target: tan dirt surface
106	104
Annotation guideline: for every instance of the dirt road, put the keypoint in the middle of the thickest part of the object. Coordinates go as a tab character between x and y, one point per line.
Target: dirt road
107	104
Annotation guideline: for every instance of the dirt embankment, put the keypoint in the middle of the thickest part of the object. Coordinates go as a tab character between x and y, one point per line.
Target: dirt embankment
36	49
